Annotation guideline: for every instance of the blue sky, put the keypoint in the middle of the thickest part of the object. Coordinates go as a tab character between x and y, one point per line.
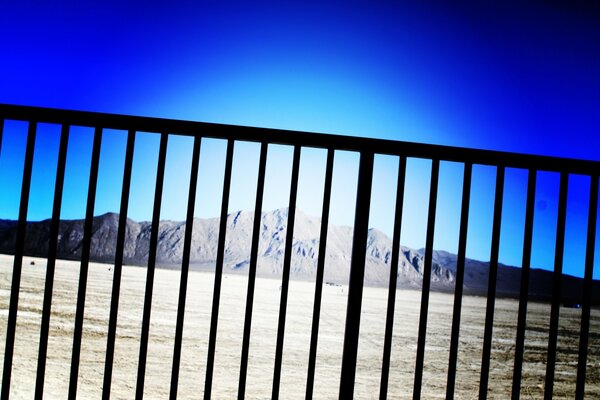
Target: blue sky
496	76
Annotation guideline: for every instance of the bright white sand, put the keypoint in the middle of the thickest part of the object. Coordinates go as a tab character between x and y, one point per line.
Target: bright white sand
263	338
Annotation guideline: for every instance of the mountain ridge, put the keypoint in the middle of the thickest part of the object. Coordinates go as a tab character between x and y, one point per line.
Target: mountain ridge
273	232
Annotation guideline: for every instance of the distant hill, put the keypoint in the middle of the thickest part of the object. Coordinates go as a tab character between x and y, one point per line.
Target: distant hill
271	249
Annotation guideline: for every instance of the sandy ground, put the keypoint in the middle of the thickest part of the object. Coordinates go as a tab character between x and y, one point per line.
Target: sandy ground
264	330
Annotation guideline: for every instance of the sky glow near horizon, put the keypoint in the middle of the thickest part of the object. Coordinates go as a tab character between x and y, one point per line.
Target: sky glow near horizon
473	77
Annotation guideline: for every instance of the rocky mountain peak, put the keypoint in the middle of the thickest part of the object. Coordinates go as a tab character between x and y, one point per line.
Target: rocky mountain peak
273	236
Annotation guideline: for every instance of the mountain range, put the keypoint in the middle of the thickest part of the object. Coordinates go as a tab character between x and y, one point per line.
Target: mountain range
273	230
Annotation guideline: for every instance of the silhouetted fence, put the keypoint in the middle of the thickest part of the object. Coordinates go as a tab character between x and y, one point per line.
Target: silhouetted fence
367	148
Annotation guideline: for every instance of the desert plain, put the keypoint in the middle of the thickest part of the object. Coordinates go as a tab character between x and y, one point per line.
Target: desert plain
263	338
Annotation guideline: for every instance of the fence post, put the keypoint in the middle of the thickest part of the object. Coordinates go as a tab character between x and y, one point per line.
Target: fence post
357	273
18	261
425	288
584	333
559	250
393	283
524	289
51	265
492	281
314	336
85	262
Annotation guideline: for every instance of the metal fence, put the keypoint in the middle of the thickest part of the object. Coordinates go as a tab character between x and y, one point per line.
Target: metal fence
367	148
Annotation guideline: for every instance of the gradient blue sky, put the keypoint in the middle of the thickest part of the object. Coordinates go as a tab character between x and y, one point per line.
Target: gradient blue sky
508	77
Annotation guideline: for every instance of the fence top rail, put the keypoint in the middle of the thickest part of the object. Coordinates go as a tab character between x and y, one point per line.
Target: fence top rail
306	139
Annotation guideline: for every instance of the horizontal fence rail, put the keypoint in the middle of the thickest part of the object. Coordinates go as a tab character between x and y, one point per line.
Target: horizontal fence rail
368	150
279	136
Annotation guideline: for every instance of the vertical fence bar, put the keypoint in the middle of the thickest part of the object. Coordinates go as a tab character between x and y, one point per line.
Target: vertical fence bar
556	284
314	336
85	260
185	267
160	175
391	304
214	317
587	288
116	288
435	171
252	272
357	273
289	240
460	278
493	274
524	291
18	261
50	267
